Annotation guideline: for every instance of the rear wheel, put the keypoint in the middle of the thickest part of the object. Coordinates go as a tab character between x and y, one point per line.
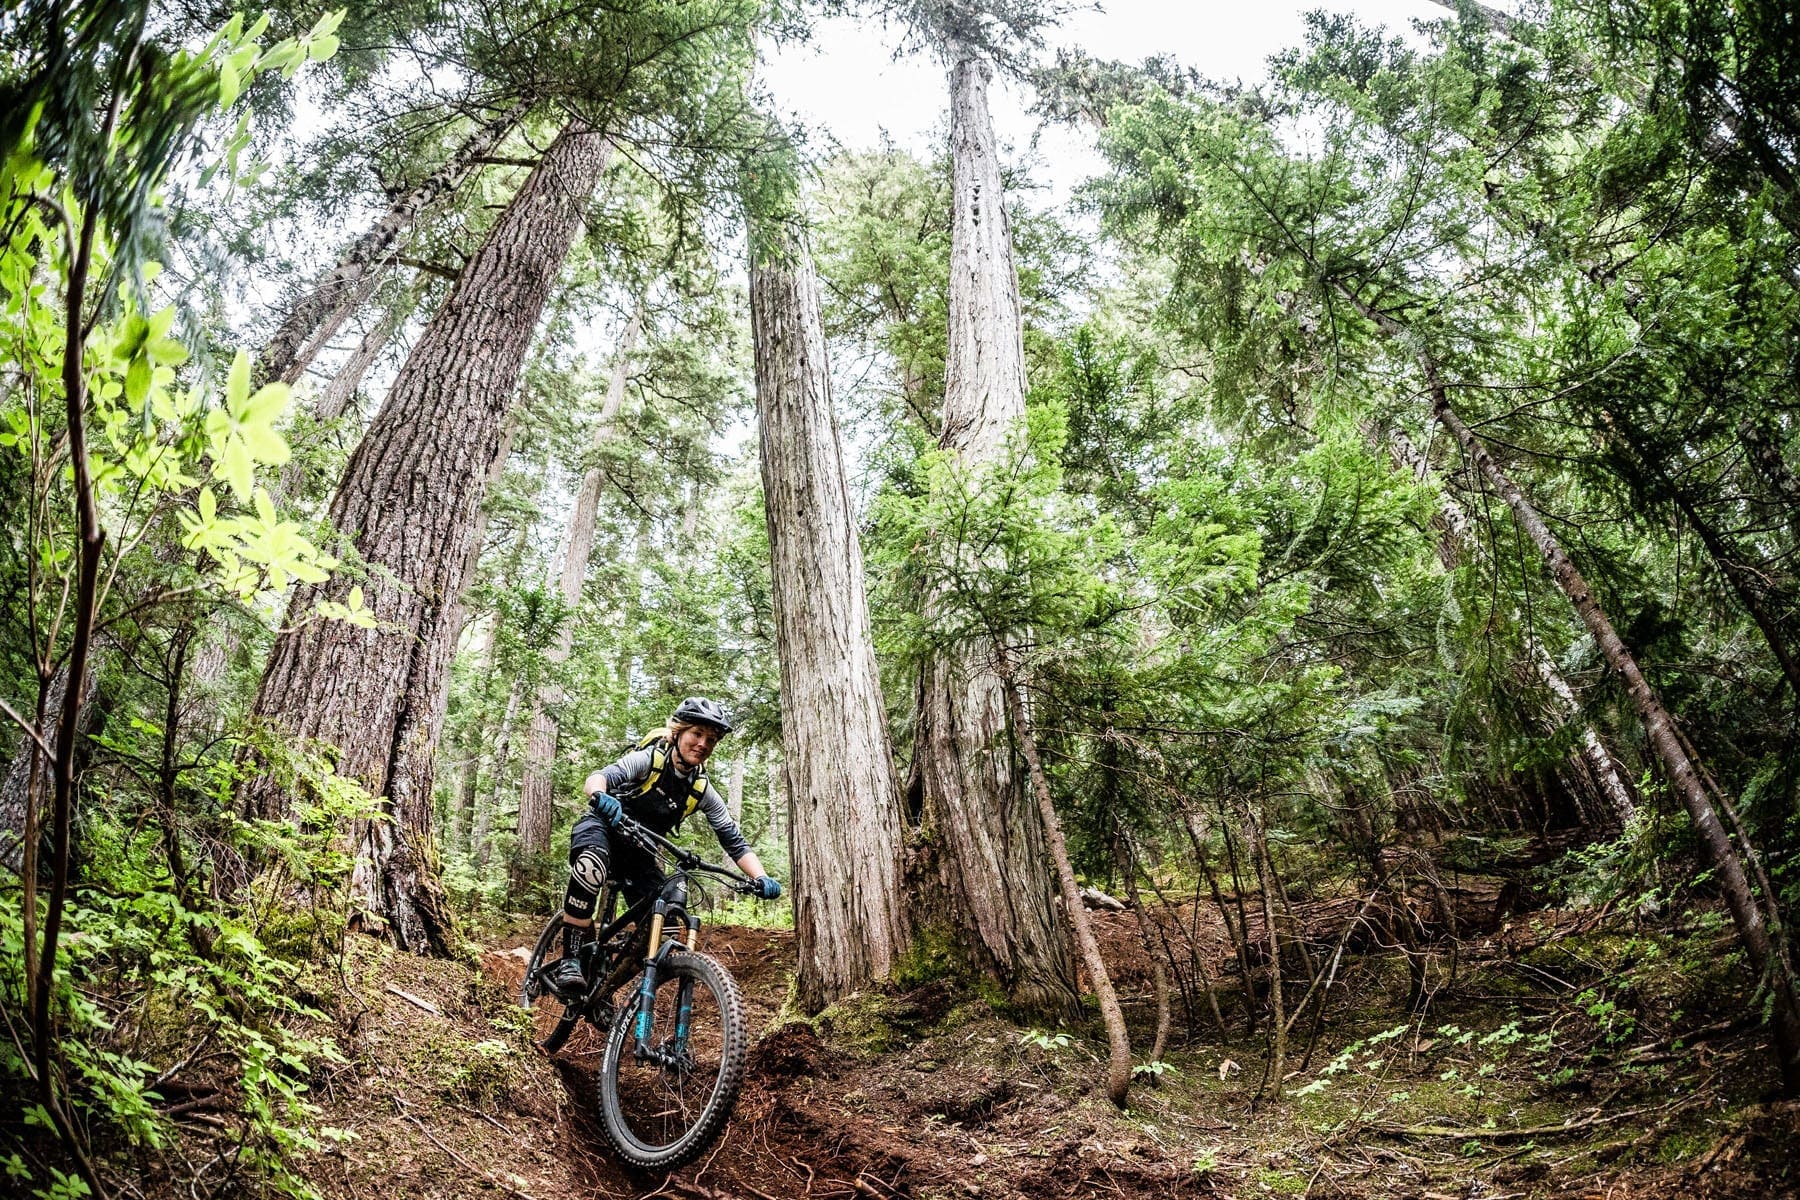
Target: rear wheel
536	988
664	1110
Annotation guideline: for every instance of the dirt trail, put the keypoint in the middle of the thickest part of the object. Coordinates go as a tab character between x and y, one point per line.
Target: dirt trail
926	1095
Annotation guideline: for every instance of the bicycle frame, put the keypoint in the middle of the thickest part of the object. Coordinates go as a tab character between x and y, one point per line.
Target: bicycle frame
668	906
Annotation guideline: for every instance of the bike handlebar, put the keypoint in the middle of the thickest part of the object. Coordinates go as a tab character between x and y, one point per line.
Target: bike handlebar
653	841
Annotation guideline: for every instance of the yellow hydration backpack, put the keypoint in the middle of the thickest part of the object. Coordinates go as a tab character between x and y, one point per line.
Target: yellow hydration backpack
658	746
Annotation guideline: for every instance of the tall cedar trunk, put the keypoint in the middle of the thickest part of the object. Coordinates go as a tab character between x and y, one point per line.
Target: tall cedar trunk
1118	1074
777	800
990	886
481	844
537	800
1766	955
347	306
334	401
410	496
843	793
322	310
734	794
1458	541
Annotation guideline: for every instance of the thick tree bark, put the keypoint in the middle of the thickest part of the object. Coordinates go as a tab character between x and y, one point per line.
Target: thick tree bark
319	313
537	800
1766	952
410	496
843	793
778	825
989	885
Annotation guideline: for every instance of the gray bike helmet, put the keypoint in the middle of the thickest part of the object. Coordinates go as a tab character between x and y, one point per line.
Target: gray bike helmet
698	710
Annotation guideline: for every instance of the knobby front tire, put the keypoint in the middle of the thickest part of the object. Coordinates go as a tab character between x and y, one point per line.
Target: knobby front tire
661	1117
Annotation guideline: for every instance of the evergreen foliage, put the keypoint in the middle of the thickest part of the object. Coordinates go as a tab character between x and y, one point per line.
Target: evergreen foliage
1280	637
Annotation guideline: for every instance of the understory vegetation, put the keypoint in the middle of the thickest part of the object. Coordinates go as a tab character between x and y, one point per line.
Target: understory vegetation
1277	677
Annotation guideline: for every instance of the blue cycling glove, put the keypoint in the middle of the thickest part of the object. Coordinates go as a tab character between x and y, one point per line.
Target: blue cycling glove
767	887
606	807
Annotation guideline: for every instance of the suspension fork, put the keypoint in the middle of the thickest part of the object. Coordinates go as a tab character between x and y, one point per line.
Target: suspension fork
684	1006
646	1005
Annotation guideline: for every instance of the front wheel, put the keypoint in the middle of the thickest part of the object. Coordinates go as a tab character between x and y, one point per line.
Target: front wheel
662	1111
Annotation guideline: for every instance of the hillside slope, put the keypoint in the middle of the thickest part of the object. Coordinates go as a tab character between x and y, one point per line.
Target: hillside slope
926	1094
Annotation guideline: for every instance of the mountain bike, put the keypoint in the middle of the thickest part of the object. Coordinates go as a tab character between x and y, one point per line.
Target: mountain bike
674	1056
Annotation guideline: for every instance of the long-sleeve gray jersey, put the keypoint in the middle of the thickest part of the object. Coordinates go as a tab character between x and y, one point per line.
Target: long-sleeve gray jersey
625	778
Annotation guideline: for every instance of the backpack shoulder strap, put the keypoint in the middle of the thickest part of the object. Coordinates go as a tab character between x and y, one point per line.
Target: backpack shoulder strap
659	758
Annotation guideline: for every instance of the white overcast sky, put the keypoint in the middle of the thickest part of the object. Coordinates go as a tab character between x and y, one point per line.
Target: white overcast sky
846	83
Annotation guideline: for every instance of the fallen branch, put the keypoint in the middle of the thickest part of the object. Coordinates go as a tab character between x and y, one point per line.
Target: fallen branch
421	1005
1502	1134
1093	897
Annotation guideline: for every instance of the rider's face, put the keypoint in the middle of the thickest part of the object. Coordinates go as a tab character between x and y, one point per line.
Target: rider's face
696	742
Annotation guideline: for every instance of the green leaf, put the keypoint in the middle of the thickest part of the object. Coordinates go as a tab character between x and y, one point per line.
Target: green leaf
229	85
238	468
265	445
322	48
270	401
137	379
237	384
166	351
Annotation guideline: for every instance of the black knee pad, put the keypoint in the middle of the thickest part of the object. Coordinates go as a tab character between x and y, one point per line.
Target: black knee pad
587	879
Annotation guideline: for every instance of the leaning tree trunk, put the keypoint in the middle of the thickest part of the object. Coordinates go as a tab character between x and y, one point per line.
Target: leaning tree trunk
988	885
1767	954
320	312
1118	1075
1458	540
409	498
844	796
537	800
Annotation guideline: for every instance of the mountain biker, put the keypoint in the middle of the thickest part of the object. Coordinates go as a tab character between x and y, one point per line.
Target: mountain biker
656	785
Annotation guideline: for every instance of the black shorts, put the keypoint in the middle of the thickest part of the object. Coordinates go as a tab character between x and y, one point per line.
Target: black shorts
635	868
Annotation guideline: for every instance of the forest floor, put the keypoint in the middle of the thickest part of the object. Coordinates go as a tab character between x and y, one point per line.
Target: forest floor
1594	1085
